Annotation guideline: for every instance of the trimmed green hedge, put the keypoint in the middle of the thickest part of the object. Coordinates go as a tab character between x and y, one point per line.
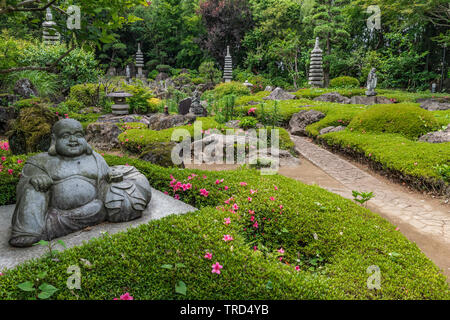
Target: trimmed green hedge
332	240
344	82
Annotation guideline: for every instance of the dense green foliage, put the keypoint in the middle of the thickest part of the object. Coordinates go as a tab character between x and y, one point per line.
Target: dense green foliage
332	240
344	82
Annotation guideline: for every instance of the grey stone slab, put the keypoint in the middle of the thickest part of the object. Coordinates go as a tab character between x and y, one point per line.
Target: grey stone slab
160	206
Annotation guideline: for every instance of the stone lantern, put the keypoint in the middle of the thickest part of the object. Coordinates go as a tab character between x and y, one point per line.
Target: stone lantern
120	106
139	62
228	68
50	35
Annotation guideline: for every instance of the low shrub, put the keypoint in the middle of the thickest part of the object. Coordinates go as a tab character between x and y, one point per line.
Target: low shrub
154	105
86	95
139	101
408	120
230	88
248	122
344	82
27	103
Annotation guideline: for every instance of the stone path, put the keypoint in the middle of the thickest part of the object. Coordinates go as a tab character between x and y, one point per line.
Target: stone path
418	220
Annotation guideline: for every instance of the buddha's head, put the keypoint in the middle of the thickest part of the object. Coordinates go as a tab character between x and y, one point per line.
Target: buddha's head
68	139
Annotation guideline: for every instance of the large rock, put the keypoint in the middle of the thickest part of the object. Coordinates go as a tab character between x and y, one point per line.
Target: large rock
299	121
184	106
124	118
279	94
103	135
437	137
6	114
160	153
161	121
31	131
331	129
333	97
434	104
25	88
370	100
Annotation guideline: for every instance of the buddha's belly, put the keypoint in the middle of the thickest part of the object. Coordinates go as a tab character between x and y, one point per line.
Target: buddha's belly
72	193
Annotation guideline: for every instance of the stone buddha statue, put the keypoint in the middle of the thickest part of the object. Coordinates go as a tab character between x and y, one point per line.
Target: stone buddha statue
71	187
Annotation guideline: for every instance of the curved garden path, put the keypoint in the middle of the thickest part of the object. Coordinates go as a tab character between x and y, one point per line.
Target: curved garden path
423	221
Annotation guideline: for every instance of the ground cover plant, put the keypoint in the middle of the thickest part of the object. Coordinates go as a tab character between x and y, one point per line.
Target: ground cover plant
274	237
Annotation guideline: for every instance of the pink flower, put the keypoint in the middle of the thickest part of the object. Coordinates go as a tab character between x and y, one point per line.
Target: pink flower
204	192
227	237
216	268
219	181
275	187
243	184
177	197
10	171
251	111
165	192
253	191
397	229
281	250
251	212
235	207
255	225
227	221
255	248
125	296
281	206
208	256
249	199
297	268
3	158
225	188
272	198
1	274
19	161
252	218
280	258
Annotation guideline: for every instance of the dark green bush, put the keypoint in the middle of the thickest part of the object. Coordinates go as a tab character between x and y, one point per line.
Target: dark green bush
344	82
408	120
163	68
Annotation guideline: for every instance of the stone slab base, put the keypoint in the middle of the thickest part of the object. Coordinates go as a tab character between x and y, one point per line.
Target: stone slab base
160	206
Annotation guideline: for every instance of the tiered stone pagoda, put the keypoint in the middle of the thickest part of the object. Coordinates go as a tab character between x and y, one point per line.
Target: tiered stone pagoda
228	68
139	62
50	35
315	67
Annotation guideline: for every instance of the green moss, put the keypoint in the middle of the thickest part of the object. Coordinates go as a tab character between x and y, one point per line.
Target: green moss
405	119
31	131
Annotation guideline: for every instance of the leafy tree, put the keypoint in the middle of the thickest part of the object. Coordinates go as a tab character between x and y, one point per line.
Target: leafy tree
226	22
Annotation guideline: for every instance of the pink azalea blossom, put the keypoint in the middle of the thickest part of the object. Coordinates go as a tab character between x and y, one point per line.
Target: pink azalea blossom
204	192
227	237
208	256
281	250
177	197
255	248
252	218
243	184
225	188
19	161
3	158
255	225
297	268
275	187
219	181
216	268
235	207
249	199
227	221
280	258
251	212
125	296
253	191
10	171
272	198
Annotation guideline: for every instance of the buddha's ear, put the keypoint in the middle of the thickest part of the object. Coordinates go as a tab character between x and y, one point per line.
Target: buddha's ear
52	149
89	150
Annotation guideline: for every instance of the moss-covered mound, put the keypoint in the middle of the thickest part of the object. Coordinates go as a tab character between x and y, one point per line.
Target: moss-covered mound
31	131
405	119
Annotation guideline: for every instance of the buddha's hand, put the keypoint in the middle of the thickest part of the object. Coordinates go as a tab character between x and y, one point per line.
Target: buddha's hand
41	183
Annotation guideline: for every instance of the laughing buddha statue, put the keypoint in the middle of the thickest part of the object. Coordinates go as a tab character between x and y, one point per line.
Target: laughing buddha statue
71	187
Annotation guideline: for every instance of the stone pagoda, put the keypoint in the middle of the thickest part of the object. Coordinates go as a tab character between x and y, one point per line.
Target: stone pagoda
139	62
50	35
228	68
315	67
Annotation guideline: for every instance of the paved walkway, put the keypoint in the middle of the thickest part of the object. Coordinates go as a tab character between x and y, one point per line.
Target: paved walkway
418	220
